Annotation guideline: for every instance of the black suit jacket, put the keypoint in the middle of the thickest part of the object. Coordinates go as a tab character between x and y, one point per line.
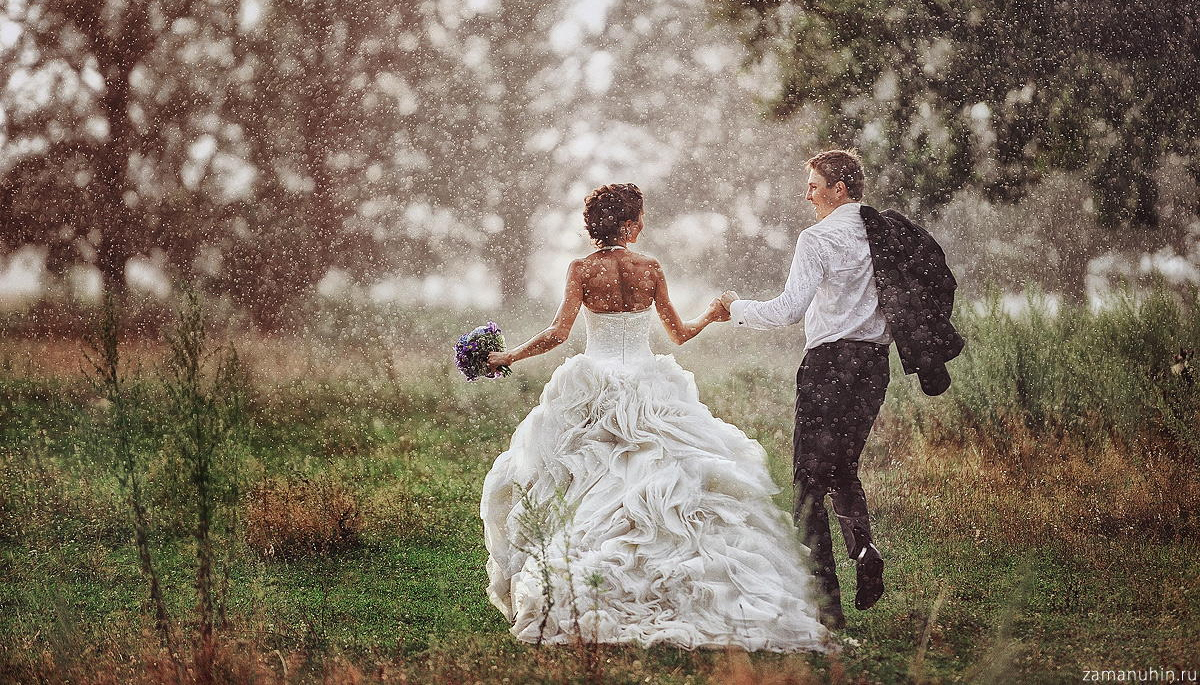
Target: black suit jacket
916	295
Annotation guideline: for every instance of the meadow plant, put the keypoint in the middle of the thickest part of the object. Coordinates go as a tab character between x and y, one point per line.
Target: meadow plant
205	391
917	668
292	518
594	666
538	524
587	651
541	526
1093	375
1069	421
107	377
1066	440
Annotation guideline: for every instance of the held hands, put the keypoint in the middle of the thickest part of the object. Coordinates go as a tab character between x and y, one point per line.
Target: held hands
719	309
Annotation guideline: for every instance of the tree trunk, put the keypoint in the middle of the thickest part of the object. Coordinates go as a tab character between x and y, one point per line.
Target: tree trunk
116	223
1072	277
508	252
115	218
276	285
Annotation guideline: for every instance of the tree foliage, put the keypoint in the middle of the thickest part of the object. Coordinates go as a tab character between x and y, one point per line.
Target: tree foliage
76	145
257	154
991	94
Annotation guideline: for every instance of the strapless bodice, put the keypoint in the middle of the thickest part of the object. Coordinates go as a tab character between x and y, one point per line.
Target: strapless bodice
619	336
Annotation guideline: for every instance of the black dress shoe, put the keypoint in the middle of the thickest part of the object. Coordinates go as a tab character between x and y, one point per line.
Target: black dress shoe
870	578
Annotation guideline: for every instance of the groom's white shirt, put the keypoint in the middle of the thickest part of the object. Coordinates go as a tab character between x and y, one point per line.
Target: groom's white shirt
831	286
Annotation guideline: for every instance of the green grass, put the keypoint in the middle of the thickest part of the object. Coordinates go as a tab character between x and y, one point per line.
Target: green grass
1018	602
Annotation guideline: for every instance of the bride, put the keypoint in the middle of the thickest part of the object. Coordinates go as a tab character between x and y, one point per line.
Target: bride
623	510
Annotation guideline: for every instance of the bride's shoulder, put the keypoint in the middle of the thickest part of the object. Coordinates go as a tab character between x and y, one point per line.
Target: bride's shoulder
643	258
646	265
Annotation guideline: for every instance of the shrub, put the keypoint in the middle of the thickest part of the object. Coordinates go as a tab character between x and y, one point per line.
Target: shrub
1093	374
289	518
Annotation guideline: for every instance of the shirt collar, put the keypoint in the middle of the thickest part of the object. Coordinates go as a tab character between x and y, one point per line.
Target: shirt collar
842	210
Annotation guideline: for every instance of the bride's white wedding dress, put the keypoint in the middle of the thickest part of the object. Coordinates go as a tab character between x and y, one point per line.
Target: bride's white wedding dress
659	513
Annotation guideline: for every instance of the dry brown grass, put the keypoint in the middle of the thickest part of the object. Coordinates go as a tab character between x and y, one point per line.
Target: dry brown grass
271	359
247	662
289	518
736	668
1033	487
238	661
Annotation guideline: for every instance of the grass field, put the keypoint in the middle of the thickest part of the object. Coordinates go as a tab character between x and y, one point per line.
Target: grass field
1039	520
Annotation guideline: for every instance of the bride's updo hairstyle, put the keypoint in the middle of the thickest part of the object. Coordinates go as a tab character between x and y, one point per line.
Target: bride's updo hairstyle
608	207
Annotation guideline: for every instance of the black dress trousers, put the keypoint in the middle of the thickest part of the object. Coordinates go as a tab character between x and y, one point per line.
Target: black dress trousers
839	389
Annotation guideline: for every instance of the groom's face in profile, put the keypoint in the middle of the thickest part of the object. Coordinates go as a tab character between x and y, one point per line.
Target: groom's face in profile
824	198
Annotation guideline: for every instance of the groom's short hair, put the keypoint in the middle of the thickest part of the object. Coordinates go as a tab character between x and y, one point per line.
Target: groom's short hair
841	165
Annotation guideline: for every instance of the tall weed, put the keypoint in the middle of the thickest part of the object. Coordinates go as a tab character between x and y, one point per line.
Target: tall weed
108	379
205	391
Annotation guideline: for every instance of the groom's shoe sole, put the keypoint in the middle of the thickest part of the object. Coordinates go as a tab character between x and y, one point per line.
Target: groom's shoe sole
870	579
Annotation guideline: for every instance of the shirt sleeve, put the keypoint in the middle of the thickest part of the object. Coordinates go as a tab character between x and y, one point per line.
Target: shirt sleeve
808	269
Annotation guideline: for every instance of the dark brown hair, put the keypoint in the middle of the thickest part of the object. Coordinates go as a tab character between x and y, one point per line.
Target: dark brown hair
608	207
841	165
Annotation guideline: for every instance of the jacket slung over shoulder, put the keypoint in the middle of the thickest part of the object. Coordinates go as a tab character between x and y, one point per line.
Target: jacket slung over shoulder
916	295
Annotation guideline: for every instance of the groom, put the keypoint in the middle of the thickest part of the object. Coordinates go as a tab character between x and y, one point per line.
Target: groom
860	280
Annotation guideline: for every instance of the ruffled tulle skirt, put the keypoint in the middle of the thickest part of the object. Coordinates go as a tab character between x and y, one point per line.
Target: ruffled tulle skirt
625	512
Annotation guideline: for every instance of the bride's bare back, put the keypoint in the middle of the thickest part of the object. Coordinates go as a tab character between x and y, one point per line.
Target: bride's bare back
621	280
618	280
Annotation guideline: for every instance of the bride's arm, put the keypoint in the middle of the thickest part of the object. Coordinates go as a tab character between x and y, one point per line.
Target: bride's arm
678	330
558	331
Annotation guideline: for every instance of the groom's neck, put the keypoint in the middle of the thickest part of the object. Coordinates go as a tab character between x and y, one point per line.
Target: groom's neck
829	210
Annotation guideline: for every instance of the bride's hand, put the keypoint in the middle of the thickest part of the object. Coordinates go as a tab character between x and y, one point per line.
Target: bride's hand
717	310
496	360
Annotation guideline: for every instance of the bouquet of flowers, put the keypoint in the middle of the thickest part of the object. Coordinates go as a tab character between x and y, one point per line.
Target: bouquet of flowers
471	352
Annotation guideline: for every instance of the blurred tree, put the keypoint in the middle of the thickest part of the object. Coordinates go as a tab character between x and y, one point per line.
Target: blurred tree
993	95
491	141
728	184
305	91
255	149
78	129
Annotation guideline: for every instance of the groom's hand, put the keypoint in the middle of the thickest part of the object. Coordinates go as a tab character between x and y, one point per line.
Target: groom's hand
727	298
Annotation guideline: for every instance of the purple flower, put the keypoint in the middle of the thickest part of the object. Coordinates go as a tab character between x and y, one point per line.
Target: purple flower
471	351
